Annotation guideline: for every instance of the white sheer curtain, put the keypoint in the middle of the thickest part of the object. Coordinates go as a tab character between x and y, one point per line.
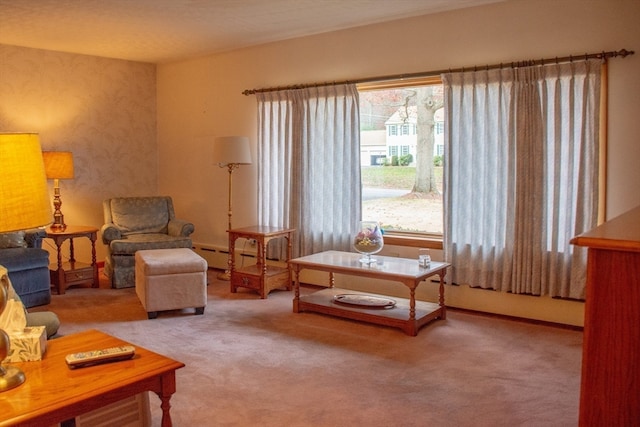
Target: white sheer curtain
309	166
521	176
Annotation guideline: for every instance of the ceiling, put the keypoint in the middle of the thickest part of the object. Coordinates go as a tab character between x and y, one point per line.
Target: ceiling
168	30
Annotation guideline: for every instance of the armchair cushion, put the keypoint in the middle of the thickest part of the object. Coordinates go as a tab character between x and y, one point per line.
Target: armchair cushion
140	215
136	242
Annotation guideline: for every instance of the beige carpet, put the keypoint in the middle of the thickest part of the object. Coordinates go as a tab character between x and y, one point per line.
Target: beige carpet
253	362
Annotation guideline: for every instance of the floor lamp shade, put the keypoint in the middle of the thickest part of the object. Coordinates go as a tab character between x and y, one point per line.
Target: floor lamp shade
229	150
24	197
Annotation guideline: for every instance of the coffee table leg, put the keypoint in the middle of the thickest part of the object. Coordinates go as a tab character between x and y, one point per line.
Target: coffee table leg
167	388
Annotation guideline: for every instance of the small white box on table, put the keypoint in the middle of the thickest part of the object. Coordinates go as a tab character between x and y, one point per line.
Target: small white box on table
27	345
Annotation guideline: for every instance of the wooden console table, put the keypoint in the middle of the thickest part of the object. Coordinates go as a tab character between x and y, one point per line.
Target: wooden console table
74	273
53	393
610	387
261	277
407	314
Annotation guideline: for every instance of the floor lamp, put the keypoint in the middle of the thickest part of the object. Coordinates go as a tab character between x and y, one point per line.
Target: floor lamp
24	203
231	152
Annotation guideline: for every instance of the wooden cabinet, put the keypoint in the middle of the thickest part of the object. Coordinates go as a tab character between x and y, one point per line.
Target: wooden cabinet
610	387
260	276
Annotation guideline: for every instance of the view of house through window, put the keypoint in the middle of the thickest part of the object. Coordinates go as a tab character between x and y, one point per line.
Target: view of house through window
402	147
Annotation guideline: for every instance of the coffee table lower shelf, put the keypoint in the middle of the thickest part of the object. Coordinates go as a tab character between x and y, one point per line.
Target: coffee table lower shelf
399	316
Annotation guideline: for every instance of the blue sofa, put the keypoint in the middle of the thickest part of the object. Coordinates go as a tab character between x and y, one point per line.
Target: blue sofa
27	264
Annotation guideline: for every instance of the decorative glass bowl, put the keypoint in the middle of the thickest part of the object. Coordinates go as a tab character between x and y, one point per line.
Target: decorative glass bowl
368	240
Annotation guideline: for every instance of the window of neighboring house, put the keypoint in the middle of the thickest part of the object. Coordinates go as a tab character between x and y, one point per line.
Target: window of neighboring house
404	192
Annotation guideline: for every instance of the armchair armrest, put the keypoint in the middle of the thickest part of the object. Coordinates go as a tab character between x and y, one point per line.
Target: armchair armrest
110	232
34	237
179	227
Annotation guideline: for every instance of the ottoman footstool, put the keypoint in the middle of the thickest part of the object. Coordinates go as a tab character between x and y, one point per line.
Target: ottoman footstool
170	279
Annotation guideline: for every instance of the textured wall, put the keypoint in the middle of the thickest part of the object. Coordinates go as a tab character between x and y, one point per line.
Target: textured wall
102	110
203	97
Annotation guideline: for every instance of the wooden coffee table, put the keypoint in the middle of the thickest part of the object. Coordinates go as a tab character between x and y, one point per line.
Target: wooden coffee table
406	313
54	393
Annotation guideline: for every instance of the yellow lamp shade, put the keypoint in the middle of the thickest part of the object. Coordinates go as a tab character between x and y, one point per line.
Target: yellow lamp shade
24	197
58	164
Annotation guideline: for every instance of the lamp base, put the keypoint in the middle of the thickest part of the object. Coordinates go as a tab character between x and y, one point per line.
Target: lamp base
58	220
58	227
11	377
226	275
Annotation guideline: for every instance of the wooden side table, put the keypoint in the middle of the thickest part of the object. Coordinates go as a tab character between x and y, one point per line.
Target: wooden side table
260	276
74	273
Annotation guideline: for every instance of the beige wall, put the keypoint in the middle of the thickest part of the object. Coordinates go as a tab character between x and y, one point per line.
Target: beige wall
202	98
102	110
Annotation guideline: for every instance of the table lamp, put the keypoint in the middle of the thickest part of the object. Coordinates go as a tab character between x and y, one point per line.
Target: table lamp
231	152
58	165
24	204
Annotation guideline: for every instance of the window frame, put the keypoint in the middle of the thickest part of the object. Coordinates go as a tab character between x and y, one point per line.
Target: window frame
403	238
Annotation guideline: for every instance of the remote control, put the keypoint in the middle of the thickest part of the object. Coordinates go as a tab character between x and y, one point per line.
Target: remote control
87	358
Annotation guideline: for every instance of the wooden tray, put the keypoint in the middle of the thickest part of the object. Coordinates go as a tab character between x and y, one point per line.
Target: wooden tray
368	301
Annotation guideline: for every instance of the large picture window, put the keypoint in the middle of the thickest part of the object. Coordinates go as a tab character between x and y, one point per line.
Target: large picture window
401	157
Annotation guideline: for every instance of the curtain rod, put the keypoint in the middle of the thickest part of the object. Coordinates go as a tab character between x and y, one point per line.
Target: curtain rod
527	63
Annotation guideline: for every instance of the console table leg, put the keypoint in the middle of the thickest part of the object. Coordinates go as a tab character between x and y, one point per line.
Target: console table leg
60	285
443	308
296	288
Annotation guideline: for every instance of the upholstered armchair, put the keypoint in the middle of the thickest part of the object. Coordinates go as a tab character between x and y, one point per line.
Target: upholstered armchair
27	264
135	223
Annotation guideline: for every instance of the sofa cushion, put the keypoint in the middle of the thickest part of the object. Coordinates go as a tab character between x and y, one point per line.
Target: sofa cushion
18	259
28	269
140	214
136	242
12	240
